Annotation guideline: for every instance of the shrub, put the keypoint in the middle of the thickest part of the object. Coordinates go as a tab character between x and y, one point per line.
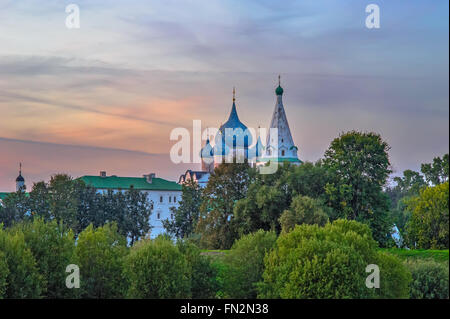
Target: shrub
52	245
394	277
329	262
203	275
4	272
429	279
100	254
244	264
23	278
157	269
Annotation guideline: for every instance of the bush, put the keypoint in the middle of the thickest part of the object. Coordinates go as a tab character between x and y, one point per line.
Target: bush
429	279
52	246
244	264
23	279
203	275
329	262
394	277
157	269
100	254
4	272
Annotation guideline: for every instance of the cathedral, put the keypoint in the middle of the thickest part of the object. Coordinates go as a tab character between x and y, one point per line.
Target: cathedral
234	140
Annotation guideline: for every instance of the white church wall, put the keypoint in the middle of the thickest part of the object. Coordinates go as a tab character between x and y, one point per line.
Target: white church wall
163	201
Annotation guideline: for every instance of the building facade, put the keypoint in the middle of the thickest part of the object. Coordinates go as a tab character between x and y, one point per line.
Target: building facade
163	194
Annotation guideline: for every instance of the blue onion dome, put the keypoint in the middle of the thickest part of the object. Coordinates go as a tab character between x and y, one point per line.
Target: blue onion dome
220	147
207	151
231	137
20	178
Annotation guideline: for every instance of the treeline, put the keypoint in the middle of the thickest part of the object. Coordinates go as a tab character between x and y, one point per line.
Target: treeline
77	205
310	261
34	256
349	182
420	205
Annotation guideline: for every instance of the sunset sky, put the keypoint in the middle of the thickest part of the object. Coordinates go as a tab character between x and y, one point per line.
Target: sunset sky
107	95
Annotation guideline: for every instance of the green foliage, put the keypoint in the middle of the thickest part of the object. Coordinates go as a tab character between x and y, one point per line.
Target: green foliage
430	279
136	217
394	277
203	275
269	195
358	164
440	256
303	210
53	248
327	262
157	269
436	172
244	264
4	272
428	226
15	209
23	278
187	214
77	205
100	255
228	184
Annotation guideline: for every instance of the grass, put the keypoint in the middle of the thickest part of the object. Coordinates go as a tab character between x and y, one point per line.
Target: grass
437	255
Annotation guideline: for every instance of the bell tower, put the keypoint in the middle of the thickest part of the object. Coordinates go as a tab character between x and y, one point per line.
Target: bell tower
20	181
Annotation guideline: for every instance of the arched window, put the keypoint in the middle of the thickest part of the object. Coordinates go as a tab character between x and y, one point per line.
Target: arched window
282	153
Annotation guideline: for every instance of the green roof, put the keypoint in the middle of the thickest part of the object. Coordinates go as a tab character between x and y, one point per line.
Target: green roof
140	183
3	195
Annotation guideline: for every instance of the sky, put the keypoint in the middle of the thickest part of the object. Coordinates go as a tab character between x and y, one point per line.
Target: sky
105	96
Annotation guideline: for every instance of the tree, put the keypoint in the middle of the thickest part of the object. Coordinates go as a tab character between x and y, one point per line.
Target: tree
436	172
330	262
358	164
406	187
15	209
428	227
228	184
39	201
137	214
186	215
63	199
52	246
23	278
269	195
4	272
100	255
429	279
203	275
157	269
304	210
245	264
